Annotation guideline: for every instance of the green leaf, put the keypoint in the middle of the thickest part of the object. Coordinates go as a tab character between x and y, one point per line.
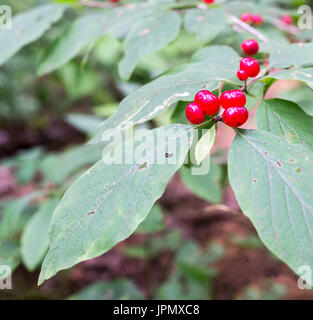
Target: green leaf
120	289
84	122
148	35
28	27
9	255
88	29
207	69
153	222
204	145
205	186
304	75
207	24
296	54
82	31
272	181
108	202
14	215
35	239
302	95
285	118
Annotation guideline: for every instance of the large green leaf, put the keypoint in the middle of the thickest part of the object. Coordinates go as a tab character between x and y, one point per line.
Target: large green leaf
35	239
149	34
272	181
207	24
28	27
296	54
207	68
285	118
108	202
205	186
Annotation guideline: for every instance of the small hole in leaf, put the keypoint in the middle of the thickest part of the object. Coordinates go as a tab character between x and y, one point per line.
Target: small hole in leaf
254	180
279	163
91	213
143	166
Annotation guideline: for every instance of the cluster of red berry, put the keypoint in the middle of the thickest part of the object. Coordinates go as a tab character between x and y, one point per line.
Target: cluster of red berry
251	18
205	102
233	101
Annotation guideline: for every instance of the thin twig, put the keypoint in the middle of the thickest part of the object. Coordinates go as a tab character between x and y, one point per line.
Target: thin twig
283	26
96	4
248	28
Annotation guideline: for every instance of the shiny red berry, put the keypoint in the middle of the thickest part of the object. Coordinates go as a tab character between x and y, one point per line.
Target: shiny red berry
250	66
257	19
194	113
250	46
246	17
242	75
208	102
286	19
208	1
114	0
235	116
232	98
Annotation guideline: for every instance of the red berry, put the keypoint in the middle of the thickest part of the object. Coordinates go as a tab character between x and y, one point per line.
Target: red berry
235	116
208	1
194	113
257	19
242	75
250	46
246	17
114	0
250	66
286	19
232	98
208	102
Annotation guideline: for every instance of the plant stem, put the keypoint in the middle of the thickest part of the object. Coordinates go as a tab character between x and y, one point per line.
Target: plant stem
96	4
248	28
282	26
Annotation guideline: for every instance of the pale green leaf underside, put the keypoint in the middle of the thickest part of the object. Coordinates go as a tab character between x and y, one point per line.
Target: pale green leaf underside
285	118
272	181
28	27
108	202
204	145
35	239
148	35
304	75
206	24
150	100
